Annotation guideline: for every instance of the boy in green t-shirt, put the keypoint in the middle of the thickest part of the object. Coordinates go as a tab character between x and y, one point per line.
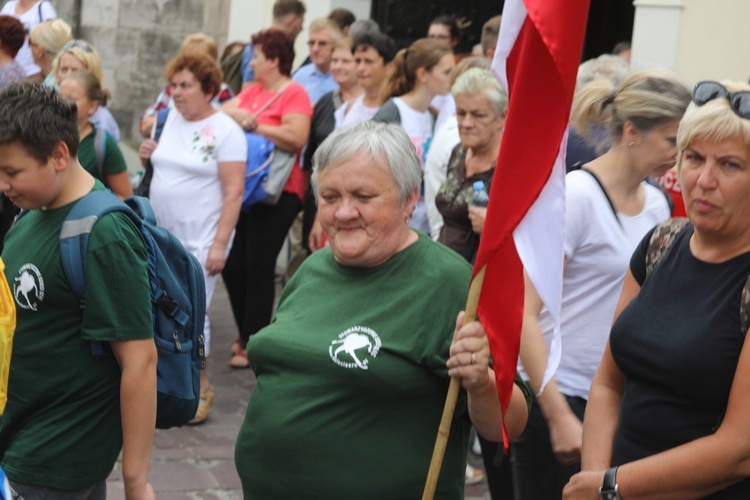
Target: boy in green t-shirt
69	414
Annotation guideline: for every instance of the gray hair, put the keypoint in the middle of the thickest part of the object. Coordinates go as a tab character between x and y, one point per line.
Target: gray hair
608	66
323	23
385	144
481	81
362	26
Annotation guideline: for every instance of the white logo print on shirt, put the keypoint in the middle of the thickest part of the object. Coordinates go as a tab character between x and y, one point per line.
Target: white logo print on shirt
355	347
28	287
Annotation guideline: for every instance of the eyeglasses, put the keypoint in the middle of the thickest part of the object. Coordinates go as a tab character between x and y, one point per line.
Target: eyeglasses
708	91
78	44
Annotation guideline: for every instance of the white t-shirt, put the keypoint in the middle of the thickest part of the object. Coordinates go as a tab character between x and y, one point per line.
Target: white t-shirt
356	113
418	126
186	189
445	139
446	107
598	250
30	18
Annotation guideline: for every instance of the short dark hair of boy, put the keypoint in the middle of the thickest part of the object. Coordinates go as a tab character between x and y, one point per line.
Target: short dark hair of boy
382	43
343	17
12	35
283	8
620	47
37	118
203	68
490	32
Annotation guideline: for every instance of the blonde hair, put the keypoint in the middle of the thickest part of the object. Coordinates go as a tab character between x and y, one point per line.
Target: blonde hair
324	23
424	53
86	54
51	35
202	42
646	99
607	66
343	43
715	121
90	85
466	64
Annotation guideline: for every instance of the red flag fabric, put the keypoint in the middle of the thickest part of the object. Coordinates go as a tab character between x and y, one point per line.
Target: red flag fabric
537	59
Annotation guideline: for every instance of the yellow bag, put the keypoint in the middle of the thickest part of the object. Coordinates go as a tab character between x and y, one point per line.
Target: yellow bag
7	328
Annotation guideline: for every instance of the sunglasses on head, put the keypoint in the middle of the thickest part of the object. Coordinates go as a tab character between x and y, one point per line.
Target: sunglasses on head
708	91
78	44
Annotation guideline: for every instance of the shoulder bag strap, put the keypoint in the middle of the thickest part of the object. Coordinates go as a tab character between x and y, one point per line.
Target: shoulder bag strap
271	100
611	205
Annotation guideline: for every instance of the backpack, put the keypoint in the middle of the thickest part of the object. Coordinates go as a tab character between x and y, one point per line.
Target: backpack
145	185
178	299
661	241
7	329
267	167
232	69
100	150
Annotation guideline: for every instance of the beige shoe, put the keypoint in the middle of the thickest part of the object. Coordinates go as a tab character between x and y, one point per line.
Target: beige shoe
473	476
204	407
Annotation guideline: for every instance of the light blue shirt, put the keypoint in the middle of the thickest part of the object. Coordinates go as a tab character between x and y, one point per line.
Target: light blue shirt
315	83
248	75
103	119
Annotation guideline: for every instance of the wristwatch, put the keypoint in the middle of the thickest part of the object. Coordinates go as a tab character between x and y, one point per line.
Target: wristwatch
609	489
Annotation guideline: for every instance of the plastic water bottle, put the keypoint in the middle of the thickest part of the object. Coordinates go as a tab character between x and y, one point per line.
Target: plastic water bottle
135	179
479	198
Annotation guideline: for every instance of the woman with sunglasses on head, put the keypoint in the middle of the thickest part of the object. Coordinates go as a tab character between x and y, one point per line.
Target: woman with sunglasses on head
608	209
667	417
80	54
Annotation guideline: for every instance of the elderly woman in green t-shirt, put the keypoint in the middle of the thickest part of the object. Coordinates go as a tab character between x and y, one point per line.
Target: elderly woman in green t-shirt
354	369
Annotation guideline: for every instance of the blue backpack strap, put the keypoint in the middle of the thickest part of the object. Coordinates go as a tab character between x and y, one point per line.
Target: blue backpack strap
74	240
142	208
161	119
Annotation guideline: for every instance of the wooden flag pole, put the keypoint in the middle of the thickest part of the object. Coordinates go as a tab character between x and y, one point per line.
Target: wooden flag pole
450	400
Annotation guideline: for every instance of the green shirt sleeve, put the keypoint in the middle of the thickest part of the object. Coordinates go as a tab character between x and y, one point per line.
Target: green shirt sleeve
118	303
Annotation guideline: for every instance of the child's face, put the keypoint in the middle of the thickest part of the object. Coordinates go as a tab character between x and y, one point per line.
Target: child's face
73	90
26	182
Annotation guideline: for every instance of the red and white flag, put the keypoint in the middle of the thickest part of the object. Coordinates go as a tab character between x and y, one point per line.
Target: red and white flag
536	60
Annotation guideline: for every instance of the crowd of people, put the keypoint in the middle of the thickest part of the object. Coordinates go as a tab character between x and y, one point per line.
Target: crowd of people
387	147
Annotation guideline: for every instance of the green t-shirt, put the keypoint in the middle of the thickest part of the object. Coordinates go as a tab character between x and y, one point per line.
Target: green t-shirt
61	427
352	381
113	162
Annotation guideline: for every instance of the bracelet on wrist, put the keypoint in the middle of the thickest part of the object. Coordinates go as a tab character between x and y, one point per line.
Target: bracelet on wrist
609	489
